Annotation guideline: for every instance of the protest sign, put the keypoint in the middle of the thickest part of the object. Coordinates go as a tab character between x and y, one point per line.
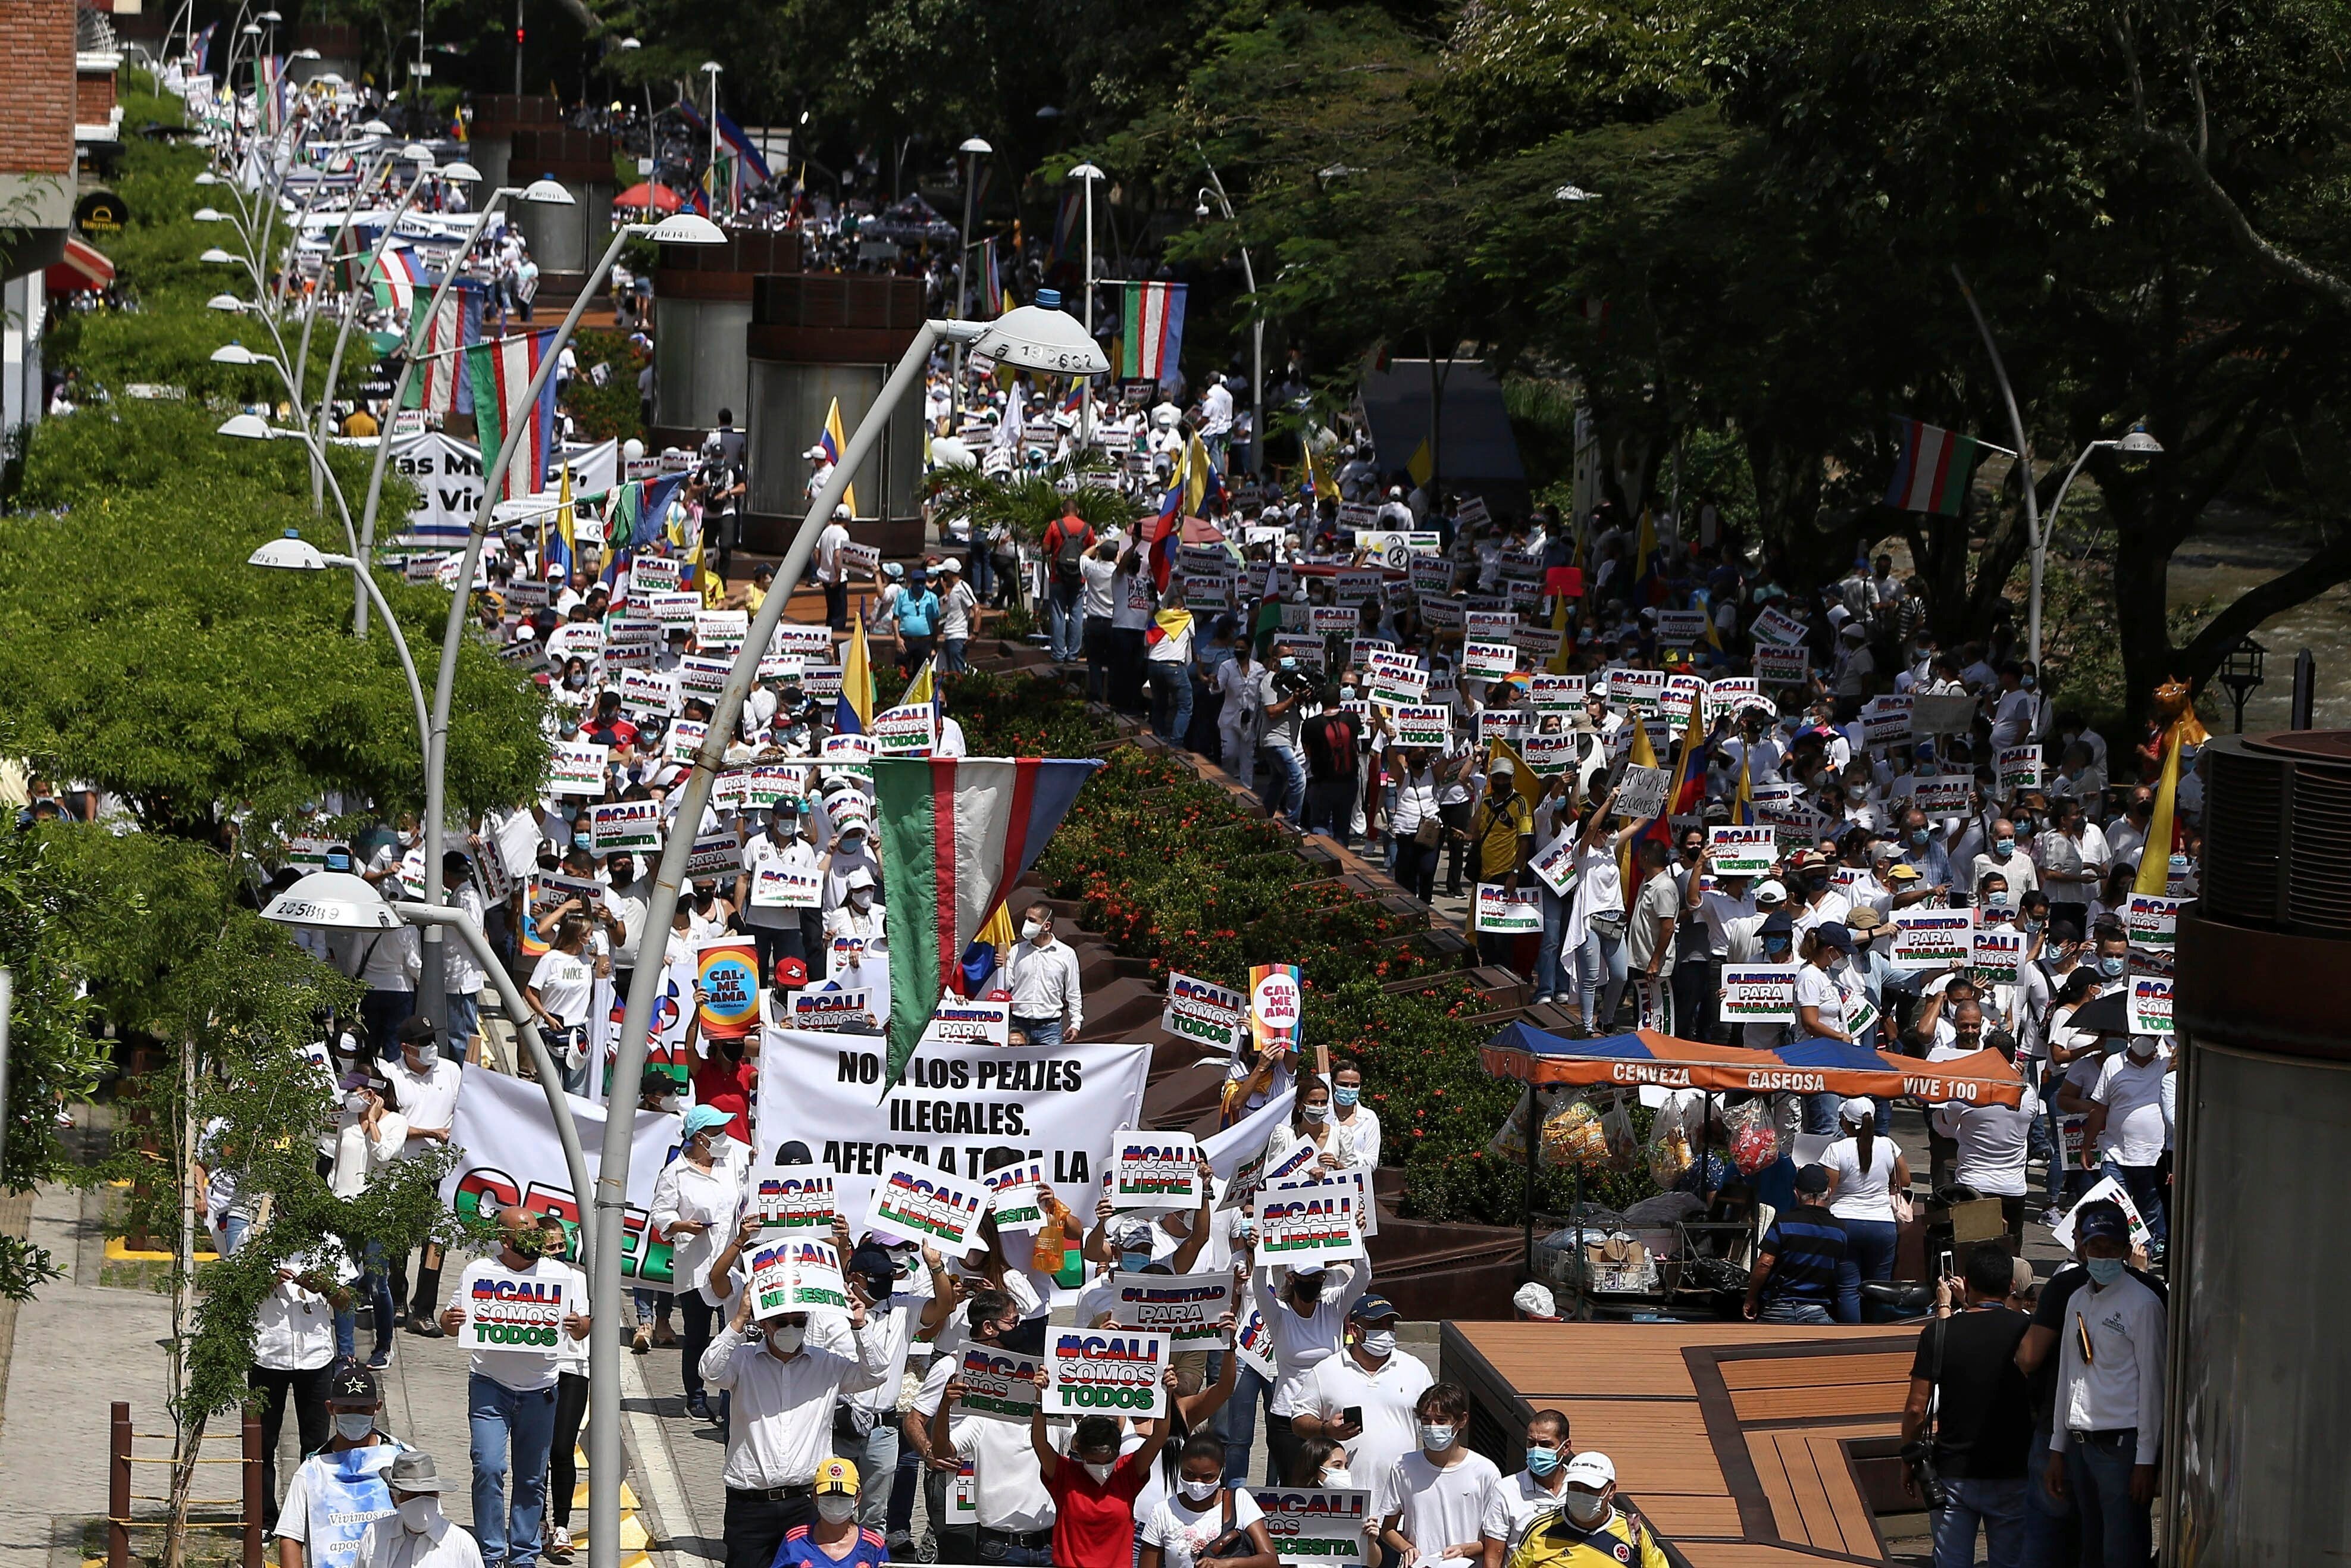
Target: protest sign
1505	912
1933	939
820	680
2152	921
1508	725
514	1312
1236	1154
796	1198
797	1274
632	646
1317	1528
775	885
1400	681
827	1010
1942	794
1488	625
864	560
2150	1002
1205	591
1954	713
1396	548
1016	1194
721	629
1732	694
576	767
651	574
1684	692
648	694
974	1020
1742	849
508	1154
669	609
1424	726
908	731
955	1103
1361	649
1641	792
1154	1170
1759	993
1776	626
1254	1342
684	738
1540	642
1187	1308
847	750
626	827
716	854
1438	613
1782	664
2106	1190
1886	720
702	677
1200	1011
1275	1007
727	987
1552	746
1555	862
1352	588
811	642
1654	997
1487	661
1354	517
1995	952
917	1204
788	668
1640	691
1431	576
1105	1371
1331	620
997	1386
1680	628
1556	693
1301	646
579	640
764	783
1309	1226
2019	767
550	890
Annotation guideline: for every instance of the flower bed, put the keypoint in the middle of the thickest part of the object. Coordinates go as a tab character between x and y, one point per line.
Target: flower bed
1175	872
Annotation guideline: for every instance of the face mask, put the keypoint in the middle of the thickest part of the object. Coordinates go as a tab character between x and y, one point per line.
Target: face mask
2110	967
1316	1112
576	683
354	1425
863	897
2103	1272
1337	1477
419	1513
2138	1055
673	1103
1540	1462
1031	930
853	842
1100	1473
1919	837
1199	1492
836	1509
2030	927
2026	683
1134	1262
1288	663
1586	1507
1776	944
1345	1098
1435	1436
787	1337
1306	1289
1379	1342
2004	847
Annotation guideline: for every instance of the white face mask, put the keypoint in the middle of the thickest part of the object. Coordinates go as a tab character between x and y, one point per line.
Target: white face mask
1199	1492
1585	1508
863	897
1316	1112
420	1513
787	1337
1031	930
1101	1472
1379	1342
836	1507
1436	1436
1338	1477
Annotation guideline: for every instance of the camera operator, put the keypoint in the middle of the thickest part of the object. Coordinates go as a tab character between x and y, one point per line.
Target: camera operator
1965	1380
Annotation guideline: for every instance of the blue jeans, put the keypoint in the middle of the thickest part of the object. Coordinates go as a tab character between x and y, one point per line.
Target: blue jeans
2049	1528
1999	1505
1554	919
378	1294
2146	1194
1063	622
1171	701
464	1022
1869	1255
521	1425
951	658
230	1235
1599	979
1284	788
1239	1421
1040	1031
2115	1530
876	1456
1784	1311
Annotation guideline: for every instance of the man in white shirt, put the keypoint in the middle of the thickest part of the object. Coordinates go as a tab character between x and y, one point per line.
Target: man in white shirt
1433	1501
958	606
2126	1122
783	1390
2005	855
416	1533
1047	1000
339	1491
779	866
1217	420
1363	1397
2106	1427
294	1351
510	1389
1524	1496
426	1084
2016	712
831	571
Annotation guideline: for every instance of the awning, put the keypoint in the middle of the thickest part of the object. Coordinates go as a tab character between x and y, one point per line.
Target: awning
84	266
637	197
1526	1054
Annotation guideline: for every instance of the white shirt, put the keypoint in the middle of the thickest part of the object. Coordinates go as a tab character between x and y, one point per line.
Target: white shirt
1008	1485
782	1423
2121	1386
389	1543
1045	985
710	1198
1862	1195
294	1522
1815	989
1386	1398
827	547
1516	1501
294	1330
564	982
1991	1141
465	976
1363	1131
429	1100
1439	1507
1301	1343
1182	1532
763	852
521	1371
2132	1092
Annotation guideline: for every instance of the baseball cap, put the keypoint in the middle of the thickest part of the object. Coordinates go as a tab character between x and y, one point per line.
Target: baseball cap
1770	892
1592	1470
354	1384
790	973
1371	1307
2102	1219
836	1476
1832	934
1857	1109
1863	919
702	1118
1902	871
1812	1180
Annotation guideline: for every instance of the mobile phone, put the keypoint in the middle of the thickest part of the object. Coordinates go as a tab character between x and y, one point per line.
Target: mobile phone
1945	1272
1353	1416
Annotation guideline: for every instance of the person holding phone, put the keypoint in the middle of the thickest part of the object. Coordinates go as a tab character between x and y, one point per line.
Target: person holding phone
1363	1398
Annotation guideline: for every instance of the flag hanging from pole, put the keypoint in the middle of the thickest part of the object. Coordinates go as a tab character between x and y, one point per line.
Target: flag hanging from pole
1066	243
957	834
440	385
991	282
1151	331
397	276
853	713
270	92
751	167
1933	469
500	373
834	444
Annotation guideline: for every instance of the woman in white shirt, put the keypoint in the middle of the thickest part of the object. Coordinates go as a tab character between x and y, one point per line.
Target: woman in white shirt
1415	816
1820	1008
1205	1522
694	1202
1595	924
559	991
1311	1122
1305	1322
1864	1173
1358	1121
1236	720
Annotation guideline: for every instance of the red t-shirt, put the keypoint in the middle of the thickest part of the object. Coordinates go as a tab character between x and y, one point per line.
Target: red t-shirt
727	1087
1094	1525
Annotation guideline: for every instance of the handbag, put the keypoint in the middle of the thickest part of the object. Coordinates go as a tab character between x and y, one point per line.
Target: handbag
1430	832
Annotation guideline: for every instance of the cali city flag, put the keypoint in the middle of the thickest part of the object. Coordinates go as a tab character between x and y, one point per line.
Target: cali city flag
1150	332
1931	473
958	833
440	339
500	373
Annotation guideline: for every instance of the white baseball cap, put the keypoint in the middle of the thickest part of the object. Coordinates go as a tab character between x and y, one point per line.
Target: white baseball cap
1592	1470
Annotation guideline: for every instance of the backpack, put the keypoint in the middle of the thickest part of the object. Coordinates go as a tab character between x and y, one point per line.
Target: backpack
1072	550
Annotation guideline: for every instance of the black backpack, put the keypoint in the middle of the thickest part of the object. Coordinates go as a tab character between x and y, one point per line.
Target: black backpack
1066	558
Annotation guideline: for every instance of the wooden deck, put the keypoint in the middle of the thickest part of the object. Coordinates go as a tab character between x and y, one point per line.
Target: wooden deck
1747	1445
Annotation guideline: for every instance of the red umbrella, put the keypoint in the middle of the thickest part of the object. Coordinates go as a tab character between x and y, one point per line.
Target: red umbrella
661	198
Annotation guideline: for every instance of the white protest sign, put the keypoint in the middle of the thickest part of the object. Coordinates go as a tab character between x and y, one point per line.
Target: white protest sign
514	1312
1214	1016
997	1386
1236	1154
653	574
1105	1371
1774	626
1729	693
1187	1308
1641	691
723	629
1782	664
1504	912
795	1198
1353	588
576	767
1886	720
2106	1190
1759	993
1310	1226
915	1203
1154	1170
796	1274
1995	952
2152	921
1555	862
702	677
908	731
1017	1192
1554	694
2019	767
1490	625
1317	1528
1933	939
1742	849
969	1020
1328	620
1680	628
684	739
825	1012
649	694
1489	661
1641	792
2150	1002
864	561
1942	794
719	853
1424	726
670	609
626	827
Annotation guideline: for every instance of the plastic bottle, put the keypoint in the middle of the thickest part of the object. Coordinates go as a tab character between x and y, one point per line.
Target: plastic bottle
1052	1239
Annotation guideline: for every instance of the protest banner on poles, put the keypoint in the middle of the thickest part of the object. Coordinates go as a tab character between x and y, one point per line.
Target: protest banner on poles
1200	1010
915	1203
795	1201
997	1386
796	1274
1309	1226
1507	912
1187	1308
1154	1171
514	1312
1105	1371
955	1106
1933	939
1742	849
1759	993
1016	1194
1317	1526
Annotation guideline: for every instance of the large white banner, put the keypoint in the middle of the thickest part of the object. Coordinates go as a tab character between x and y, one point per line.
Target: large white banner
507	1153
449	478
959	1104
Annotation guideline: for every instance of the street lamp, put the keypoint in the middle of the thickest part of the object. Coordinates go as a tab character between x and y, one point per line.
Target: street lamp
2241	672
1090	175
1257	327
712	68
2138	445
973	149
1032	336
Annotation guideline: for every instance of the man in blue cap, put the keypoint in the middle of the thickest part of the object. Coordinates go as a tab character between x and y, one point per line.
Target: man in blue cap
1363	1398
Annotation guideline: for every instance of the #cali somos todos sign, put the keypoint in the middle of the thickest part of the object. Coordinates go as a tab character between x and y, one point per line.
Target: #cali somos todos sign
1200	1011
1155	1170
1106	1372
506	1310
